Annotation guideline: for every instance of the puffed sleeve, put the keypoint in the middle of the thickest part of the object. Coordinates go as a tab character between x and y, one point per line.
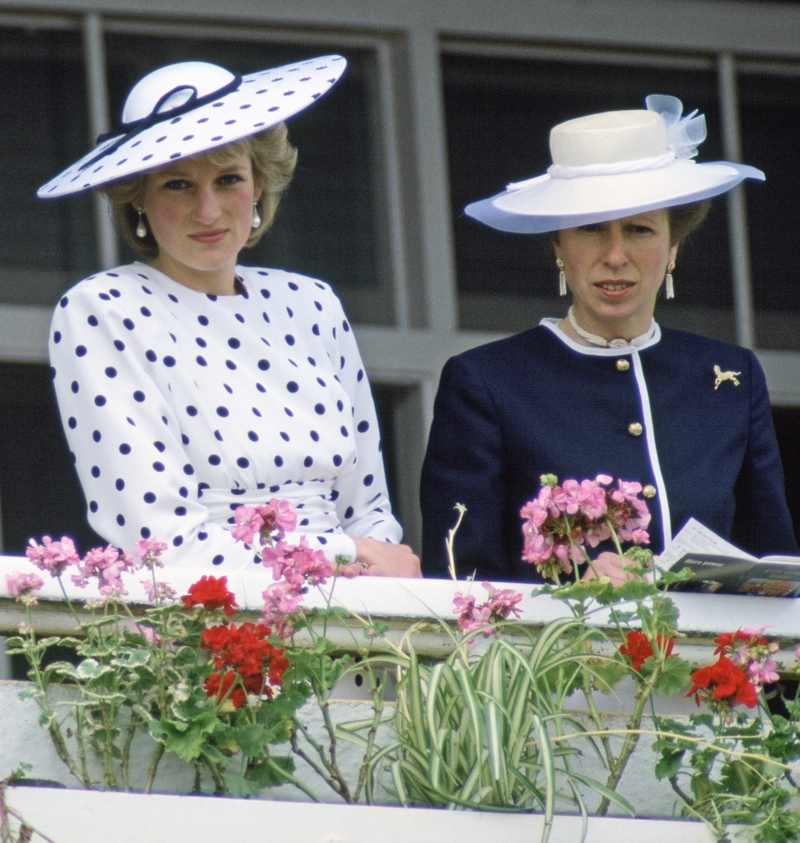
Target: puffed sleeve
362	499
125	437
762	522
464	463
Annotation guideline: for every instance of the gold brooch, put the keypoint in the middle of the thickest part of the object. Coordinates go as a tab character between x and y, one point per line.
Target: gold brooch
725	376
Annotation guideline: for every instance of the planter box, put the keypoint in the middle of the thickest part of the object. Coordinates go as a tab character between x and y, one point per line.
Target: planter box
69	816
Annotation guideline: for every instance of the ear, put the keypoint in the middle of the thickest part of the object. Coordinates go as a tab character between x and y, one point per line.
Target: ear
673	253
556	243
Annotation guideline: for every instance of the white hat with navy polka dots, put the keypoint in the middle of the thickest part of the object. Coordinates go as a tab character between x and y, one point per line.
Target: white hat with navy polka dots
190	107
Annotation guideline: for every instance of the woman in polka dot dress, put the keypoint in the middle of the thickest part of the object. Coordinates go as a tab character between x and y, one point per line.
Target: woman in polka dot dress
189	385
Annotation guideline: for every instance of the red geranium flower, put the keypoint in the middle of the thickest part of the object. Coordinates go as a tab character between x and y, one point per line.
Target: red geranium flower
218	685
211	593
246	651
725	682
637	647
726	641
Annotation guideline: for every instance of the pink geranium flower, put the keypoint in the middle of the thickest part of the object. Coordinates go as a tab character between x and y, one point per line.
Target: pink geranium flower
21	586
279	516
473	615
248	522
107	565
281	603
562	519
54	557
149	551
158	590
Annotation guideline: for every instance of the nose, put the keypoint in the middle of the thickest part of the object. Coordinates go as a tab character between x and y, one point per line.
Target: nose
206	207
615	255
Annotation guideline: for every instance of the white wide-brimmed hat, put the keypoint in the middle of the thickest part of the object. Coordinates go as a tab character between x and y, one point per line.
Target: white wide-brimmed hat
611	165
189	108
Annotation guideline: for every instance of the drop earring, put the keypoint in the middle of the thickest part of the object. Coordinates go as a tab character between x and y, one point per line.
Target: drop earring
141	228
669	287
562	278
256	215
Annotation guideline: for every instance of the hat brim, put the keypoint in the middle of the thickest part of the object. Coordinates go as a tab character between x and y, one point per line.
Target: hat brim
547	204
263	100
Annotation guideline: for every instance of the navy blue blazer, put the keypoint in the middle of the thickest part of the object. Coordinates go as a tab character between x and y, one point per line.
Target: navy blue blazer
538	403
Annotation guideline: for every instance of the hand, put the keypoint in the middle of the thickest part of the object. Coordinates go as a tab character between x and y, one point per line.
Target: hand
383	559
608	565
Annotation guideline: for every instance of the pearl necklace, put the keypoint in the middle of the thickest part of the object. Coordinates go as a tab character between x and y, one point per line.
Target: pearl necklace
617	342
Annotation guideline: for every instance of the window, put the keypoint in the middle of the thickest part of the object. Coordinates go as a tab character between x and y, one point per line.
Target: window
44	247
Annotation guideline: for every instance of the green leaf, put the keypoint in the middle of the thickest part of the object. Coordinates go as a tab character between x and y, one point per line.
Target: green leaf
675	677
252	738
607	674
188	743
288	701
669	764
636	590
269	773
237	785
132	658
600	590
376	629
92	669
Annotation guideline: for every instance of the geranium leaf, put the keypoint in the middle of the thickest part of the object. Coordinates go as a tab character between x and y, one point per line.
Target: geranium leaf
186	739
675	677
669	764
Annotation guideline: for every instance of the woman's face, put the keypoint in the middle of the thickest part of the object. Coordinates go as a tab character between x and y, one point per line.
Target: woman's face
201	215
615	269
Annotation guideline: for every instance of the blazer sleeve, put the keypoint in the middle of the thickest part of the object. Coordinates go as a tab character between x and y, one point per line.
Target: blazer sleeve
464	464
762	522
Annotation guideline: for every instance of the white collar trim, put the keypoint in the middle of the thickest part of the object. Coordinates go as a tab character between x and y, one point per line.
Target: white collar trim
551	323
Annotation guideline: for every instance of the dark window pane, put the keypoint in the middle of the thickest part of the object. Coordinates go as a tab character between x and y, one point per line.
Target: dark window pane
39	487
499	113
44	246
770	125
329	222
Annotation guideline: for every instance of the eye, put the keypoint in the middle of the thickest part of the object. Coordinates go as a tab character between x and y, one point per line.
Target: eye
175	184
589	227
231	178
641	229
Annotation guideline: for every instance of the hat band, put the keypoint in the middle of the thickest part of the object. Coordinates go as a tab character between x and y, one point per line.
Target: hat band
564	171
130	130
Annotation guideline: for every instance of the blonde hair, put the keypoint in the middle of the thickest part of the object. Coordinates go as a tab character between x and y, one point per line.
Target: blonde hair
273	160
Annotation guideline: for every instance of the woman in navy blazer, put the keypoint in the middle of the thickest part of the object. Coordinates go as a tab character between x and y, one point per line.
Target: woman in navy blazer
606	390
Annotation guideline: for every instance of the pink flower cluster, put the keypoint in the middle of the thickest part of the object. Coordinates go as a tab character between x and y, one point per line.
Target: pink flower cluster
561	520
149	551
21	586
473	615
53	557
107	565
271	520
748	648
293	567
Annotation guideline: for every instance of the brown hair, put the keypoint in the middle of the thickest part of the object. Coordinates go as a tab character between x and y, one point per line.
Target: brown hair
684	219
273	159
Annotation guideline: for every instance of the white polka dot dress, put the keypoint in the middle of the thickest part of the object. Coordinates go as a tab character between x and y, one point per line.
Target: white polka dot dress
180	406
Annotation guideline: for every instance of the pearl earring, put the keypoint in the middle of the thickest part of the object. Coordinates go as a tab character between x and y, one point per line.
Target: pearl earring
256	215
669	287
562	278
141	228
